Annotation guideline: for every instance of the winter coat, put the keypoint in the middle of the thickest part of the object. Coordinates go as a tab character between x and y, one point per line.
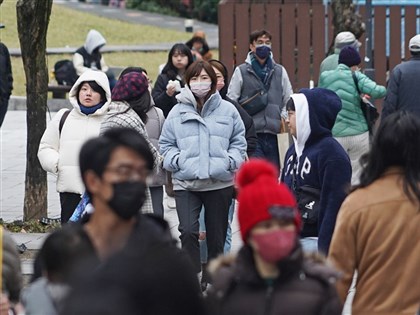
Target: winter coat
37	299
403	92
59	153
161	99
280	89
330	62
11	276
154	125
350	120
322	162
149	275
304	286
378	235
202	150
6	77
83	59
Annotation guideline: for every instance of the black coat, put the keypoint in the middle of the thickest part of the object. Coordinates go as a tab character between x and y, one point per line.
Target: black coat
161	99
303	288
6	78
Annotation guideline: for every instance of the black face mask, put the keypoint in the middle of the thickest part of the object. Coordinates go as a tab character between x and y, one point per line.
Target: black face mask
128	198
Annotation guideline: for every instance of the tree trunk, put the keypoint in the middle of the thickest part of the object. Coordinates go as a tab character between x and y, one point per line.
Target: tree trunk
345	18
33	17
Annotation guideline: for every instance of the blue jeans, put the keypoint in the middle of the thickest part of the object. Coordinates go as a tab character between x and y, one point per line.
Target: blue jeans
267	148
228	241
309	244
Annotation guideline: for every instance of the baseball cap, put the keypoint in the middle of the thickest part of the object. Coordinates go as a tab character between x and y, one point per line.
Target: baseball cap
414	44
346	39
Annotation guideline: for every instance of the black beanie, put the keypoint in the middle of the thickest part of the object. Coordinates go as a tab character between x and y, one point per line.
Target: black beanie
349	56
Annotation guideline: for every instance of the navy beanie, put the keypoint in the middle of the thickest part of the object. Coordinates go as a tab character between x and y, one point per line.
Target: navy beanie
349	56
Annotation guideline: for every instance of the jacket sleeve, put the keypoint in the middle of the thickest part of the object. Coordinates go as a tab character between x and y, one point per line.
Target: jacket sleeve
104	66
391	99
287	91
342	253
235	85
48	151
161	99
237	147
168	146
335	179
332	304
370	87
78	64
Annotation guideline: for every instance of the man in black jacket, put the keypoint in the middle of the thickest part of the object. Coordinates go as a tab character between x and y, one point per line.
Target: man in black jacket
6	79
403	92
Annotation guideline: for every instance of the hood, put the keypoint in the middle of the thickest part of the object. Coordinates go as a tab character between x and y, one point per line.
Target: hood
91	75
94	39
316	111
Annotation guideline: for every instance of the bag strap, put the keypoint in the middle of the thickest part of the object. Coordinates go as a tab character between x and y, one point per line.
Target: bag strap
244	69
63	120
353	74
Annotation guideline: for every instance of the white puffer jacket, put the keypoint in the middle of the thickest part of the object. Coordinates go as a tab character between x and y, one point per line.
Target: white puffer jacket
59	154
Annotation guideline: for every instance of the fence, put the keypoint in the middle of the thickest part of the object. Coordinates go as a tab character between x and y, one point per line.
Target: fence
302	32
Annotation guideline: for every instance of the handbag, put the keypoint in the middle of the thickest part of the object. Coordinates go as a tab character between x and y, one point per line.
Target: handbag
307	198
368	109
255	103
283	142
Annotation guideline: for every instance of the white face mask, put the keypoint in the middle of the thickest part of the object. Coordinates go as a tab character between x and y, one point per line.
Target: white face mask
200	89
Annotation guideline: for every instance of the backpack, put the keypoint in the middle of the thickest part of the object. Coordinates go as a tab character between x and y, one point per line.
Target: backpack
65	73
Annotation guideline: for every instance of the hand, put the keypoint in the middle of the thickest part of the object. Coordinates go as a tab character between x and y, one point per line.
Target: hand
4	304
170	90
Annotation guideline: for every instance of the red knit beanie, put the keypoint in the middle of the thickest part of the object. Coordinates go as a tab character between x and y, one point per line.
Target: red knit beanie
130	86
261	197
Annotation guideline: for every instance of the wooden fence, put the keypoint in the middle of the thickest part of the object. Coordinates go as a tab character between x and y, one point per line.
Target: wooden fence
302	32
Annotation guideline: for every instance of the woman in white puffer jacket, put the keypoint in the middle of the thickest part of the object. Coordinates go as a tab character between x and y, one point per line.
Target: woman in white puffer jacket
58	150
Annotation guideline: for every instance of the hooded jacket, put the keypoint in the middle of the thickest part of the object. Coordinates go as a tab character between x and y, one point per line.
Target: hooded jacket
202	150
305	286
350	120
83	59
59	153
321	161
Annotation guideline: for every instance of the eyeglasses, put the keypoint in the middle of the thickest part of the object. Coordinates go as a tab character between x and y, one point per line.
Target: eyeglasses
128	172
263	42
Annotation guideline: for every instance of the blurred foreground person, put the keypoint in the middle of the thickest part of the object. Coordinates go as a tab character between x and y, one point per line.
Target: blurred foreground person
141	271
377	231
270	274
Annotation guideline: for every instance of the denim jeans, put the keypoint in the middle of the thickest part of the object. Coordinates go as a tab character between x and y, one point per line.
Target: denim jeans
267	148
309	244
228	241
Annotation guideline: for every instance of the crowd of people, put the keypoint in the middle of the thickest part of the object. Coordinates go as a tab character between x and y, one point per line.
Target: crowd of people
339	214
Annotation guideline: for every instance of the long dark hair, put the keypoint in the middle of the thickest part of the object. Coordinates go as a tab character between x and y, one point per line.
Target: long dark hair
223	70
396	143
170	70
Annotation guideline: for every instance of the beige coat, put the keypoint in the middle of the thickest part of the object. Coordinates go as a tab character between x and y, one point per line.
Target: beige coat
378	234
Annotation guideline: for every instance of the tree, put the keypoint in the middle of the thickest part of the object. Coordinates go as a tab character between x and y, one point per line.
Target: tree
33	17
345	18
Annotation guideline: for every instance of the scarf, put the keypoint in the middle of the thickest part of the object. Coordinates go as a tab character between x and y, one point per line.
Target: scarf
90	110
264	70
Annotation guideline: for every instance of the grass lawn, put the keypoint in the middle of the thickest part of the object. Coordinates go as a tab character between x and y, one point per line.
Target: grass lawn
69	28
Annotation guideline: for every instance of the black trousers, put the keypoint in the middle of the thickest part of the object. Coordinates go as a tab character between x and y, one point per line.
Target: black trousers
188	207
69	202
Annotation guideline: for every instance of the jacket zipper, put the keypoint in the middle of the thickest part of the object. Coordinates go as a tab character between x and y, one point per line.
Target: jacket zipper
268	299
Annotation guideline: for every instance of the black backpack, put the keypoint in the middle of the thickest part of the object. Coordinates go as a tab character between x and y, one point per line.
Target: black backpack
65	73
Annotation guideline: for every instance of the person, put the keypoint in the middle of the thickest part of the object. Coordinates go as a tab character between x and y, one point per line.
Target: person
131	102
89	57
199	47
377	226
167	86
402	92
264	84
60	144
154	125
6	79
203	144
351	129
317	161
342	40
270	274
134	250
11	276
60	257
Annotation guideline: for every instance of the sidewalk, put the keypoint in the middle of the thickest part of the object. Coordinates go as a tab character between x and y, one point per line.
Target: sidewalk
12	183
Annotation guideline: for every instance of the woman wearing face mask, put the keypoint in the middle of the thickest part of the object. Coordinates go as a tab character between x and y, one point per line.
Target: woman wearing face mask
270	274
203	144
59	148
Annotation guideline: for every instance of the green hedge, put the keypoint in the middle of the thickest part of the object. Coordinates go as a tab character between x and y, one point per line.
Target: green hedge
203	10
